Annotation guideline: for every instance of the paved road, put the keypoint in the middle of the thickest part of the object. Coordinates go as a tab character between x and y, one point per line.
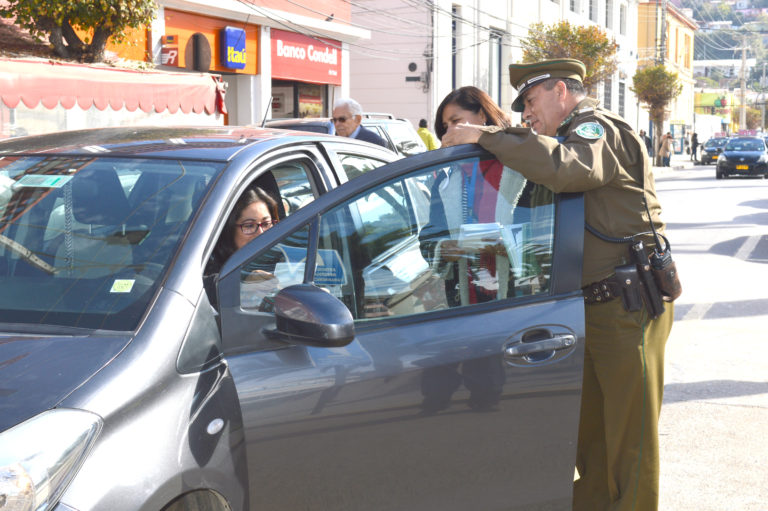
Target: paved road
714	422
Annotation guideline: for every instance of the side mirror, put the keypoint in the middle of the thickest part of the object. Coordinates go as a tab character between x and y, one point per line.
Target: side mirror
305	314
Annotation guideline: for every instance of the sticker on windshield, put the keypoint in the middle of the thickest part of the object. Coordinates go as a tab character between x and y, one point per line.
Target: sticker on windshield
43	181
590	130
122	286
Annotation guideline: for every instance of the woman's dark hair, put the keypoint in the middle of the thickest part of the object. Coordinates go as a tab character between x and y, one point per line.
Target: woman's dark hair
475	100
226	244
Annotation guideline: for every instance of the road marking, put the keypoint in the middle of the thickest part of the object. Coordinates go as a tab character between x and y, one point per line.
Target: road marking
747	247
697	311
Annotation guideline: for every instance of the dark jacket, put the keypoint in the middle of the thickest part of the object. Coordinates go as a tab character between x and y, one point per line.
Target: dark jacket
369	136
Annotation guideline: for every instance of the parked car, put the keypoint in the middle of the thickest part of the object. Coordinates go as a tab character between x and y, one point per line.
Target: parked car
127	383
400	135
712	149
745	156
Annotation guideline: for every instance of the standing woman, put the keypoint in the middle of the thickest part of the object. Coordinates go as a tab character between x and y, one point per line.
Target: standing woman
474	192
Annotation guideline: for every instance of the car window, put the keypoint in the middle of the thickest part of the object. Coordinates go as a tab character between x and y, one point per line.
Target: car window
405	138
745	145
84	242
392	250
355	165
293	184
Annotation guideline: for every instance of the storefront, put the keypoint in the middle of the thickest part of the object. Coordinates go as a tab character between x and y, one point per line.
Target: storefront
40	96
305	72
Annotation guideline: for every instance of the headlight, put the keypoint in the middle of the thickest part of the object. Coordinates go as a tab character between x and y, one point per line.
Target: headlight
39	457
763	158
722	157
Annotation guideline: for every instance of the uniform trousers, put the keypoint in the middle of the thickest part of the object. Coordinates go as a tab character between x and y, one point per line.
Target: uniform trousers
618	448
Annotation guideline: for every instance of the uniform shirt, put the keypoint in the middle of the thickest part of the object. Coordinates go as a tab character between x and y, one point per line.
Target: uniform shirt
600	156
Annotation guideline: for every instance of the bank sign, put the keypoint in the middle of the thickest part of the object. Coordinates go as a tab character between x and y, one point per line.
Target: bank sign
232	44
299	57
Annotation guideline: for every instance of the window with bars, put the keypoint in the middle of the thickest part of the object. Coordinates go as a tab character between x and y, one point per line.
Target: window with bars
494	65
607	90
622	97
593	10
609	14
623	19
574	6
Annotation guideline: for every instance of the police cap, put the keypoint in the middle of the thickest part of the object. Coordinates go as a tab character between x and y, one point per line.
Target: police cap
525	75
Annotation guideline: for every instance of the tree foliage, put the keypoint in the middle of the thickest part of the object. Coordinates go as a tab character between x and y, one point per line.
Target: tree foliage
60	20
589	44
656	87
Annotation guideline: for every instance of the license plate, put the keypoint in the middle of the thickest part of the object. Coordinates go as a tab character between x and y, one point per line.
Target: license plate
742	167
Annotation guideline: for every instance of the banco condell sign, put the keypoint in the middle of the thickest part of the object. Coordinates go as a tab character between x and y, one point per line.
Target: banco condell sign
298	57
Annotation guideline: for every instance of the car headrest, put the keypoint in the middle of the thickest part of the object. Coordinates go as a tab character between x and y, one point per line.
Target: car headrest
98	197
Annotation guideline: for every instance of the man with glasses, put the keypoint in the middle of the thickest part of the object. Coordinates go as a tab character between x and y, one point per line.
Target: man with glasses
347	116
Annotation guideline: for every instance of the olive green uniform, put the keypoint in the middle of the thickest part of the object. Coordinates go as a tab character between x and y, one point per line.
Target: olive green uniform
617	455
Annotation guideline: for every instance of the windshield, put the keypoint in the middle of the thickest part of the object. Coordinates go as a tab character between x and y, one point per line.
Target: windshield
85	242
747	144
716	142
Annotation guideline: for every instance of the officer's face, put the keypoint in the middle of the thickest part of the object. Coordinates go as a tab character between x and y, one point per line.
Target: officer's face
545	109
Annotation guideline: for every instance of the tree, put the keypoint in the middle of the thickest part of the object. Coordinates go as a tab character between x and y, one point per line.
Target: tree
656	87
589	44
60	20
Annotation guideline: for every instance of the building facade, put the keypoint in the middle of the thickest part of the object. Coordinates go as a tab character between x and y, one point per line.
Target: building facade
420	51
665	36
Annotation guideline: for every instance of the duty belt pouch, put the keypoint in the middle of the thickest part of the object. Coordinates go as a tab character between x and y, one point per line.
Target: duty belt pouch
629	283
665	272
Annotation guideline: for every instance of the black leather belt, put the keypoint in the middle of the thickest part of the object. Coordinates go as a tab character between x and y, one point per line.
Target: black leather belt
602	291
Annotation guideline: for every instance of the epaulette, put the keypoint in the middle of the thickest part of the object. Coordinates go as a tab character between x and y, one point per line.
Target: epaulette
586	110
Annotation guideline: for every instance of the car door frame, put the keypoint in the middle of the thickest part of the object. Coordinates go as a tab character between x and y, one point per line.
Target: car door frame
567	252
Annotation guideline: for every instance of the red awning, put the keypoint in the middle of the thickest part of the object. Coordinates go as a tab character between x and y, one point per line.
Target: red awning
67	84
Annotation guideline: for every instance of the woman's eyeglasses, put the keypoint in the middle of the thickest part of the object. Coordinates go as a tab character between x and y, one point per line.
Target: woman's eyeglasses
251	227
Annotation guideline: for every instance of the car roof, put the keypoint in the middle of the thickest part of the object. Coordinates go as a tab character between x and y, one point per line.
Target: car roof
214	143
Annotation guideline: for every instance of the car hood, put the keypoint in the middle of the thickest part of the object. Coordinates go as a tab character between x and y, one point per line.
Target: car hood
37	372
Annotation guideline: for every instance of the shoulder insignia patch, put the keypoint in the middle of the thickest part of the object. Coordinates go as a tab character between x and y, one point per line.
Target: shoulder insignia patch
590	130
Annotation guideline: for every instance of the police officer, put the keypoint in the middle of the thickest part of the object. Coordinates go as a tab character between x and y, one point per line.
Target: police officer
600	155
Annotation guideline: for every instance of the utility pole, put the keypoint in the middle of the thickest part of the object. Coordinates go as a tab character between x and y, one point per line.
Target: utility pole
743	113
762	102
663	44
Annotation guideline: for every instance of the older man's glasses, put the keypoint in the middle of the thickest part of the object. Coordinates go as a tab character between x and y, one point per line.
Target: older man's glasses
339	119
252	227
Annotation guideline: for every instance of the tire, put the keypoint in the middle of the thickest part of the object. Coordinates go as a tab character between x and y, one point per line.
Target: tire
718	174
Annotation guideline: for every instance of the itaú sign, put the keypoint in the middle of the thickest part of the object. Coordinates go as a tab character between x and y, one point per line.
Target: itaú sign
308	59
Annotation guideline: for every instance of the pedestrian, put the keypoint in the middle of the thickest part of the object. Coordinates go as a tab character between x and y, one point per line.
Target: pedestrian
347	119
430	140
665	149
647	140
599	155
694	146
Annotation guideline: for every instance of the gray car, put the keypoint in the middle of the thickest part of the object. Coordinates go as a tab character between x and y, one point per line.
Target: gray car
399	134
132	378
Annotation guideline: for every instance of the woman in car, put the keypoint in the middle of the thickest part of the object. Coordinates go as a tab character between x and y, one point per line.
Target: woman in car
255	212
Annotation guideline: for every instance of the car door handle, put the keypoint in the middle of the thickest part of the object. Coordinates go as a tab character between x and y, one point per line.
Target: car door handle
554	343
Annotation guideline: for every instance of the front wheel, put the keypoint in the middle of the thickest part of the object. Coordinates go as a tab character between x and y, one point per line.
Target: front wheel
718	174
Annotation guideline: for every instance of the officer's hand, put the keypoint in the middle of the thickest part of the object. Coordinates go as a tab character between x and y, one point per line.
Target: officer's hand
461	134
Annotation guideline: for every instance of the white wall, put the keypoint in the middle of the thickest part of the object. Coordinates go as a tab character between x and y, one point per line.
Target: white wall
401	31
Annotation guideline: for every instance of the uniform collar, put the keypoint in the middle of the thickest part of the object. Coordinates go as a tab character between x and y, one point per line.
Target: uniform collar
583	106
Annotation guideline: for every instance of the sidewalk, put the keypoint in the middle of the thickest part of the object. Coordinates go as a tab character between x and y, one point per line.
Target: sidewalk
678	162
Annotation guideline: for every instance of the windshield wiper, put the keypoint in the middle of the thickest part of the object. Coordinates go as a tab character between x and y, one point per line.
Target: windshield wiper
27	254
